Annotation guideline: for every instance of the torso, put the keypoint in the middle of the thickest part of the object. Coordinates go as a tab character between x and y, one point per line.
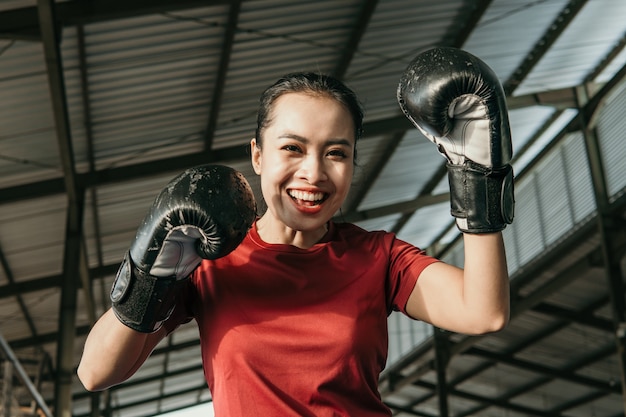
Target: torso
288	331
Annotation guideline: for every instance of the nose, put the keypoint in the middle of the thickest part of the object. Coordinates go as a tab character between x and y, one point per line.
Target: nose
312	169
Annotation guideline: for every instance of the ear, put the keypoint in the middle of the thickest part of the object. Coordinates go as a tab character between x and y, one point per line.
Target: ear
256	156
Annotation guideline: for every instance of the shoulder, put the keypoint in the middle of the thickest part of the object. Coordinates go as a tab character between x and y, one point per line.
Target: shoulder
381	241
357	239
352	231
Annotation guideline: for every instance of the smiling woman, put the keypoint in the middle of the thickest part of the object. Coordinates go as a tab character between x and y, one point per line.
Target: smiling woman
293	321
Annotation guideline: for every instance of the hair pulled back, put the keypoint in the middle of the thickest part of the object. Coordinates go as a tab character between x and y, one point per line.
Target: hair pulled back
312	83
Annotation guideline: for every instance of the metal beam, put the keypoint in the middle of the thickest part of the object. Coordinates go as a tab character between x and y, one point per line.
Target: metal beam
73	238
586	360
592	107
559	24
50	337
237	153
8	272
609	228
519	346
352	46
154	399
615	51
583	318
23	376
461	29
384	152
442	358
525	410
232	154
560	99
569	375
53	281
220	79
86	107
24	23
403	207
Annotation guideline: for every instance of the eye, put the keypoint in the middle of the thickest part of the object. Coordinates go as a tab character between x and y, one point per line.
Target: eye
291	148
337	154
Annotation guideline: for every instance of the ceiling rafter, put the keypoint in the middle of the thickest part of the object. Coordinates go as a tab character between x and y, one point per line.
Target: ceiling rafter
201	387
8	273
385	152
543	379
615	51
492	402
220	79
24	23
230	154
546	332
542	46
237	153
84	267
554	373
351	48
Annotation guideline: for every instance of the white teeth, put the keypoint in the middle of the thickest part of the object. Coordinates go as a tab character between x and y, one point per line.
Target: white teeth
305	195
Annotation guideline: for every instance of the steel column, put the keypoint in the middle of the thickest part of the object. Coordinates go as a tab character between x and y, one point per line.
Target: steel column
442	358
609	228
73	241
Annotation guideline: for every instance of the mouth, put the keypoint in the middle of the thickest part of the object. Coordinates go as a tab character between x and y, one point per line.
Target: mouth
307	198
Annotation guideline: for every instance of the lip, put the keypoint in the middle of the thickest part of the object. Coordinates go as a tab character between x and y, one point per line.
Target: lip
307	201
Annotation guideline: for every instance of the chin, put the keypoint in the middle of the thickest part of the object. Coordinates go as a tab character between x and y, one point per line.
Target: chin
306	223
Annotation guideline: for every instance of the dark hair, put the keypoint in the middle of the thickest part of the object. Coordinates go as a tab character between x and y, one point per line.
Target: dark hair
314	83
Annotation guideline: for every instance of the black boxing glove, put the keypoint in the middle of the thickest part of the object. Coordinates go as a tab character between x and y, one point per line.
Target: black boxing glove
458	103
203	213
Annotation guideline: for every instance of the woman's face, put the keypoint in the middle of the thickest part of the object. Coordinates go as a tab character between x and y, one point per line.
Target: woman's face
305	160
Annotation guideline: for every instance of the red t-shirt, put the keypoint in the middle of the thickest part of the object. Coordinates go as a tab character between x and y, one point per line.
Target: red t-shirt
300	332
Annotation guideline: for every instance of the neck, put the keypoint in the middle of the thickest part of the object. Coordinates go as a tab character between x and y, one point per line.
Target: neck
275	232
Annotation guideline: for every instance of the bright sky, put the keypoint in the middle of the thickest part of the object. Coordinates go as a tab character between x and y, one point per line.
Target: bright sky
202	410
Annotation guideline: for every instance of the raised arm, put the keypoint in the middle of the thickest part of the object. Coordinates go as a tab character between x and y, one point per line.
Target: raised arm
458	103
472	300
203	213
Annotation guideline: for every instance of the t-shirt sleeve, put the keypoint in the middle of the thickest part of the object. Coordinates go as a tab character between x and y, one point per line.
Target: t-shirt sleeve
405	266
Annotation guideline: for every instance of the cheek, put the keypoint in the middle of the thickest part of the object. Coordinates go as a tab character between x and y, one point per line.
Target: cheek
274	172
342	178
264	164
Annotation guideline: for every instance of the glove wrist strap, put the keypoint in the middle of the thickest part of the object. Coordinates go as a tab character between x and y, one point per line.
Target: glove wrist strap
142	301
481	199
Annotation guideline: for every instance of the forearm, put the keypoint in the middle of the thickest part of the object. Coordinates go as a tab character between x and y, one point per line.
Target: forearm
204	212
113	352
486	280
458	103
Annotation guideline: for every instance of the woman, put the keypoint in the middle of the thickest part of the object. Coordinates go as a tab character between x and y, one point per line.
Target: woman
294	321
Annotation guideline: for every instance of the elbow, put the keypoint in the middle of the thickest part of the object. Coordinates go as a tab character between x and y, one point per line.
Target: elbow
498	324
494	324
90	379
